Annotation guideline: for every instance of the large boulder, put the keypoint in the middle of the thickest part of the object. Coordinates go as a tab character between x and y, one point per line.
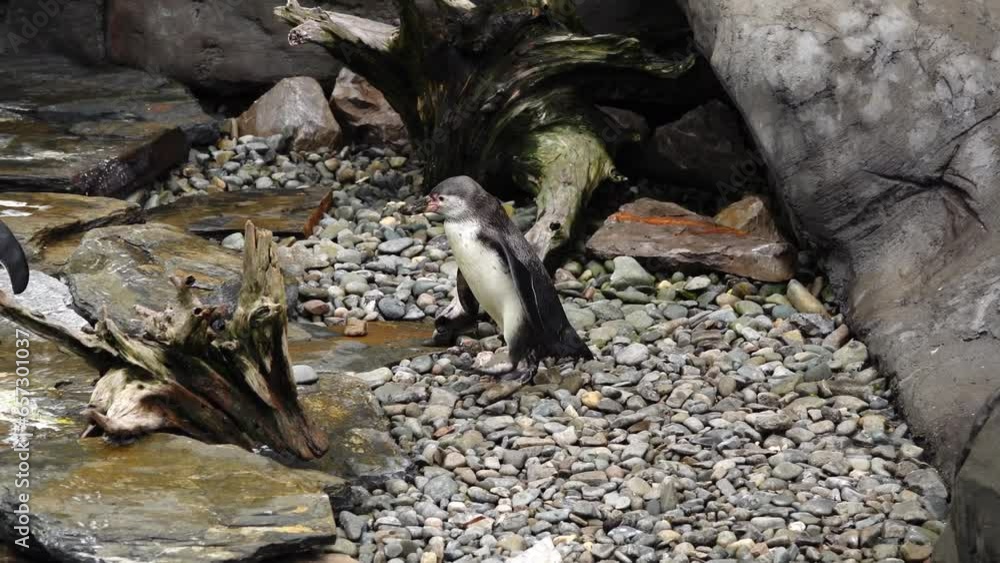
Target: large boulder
879	122
364	111
72	28
295	107
224	48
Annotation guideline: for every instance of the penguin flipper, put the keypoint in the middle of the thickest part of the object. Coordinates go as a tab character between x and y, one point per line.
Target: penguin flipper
459	316
13	259
466	297
553	334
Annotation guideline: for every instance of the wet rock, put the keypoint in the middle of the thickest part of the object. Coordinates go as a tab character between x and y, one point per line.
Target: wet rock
84	130
44	220
122	267
201	499
664	233
355	327
361	448
295	107
364	112
49	297
284	213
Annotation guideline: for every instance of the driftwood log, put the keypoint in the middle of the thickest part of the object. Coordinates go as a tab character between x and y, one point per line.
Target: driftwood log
502	90
217	375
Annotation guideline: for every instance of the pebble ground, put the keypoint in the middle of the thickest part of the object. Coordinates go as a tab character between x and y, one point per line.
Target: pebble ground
722	420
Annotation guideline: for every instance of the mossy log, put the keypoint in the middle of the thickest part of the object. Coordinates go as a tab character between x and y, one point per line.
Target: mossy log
217	375
500	90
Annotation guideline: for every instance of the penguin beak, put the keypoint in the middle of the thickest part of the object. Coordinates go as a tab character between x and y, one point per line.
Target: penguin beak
433	204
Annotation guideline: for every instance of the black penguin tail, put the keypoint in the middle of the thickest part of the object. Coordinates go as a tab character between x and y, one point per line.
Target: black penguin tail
13	260
570	345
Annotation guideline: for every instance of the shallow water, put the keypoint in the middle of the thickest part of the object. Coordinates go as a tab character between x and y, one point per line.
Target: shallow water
62	383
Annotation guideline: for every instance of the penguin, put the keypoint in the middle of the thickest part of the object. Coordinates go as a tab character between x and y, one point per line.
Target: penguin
500	272
13	260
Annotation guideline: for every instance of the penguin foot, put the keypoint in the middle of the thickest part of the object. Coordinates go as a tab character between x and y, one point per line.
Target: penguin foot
522	374
451	323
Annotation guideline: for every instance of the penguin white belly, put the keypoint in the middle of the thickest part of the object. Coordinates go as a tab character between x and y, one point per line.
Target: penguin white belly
487	276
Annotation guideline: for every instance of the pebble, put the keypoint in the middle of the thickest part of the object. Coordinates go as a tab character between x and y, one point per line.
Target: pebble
304	375
629	273
391	308
804	301
234	241
356	328
632	355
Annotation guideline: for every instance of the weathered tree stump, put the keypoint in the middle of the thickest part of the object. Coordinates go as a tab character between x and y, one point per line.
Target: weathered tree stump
498	90
217	375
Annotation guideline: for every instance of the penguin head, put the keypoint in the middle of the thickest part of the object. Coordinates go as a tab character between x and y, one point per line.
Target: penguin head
456	198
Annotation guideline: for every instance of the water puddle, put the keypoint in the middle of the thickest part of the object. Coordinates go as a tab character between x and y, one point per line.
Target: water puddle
327	350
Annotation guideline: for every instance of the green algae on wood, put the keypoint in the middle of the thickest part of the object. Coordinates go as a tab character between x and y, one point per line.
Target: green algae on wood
491	89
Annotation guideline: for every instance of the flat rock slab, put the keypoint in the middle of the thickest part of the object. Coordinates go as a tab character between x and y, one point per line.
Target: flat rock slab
41	220
124	266
169	499
219	214
674	237
65	127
